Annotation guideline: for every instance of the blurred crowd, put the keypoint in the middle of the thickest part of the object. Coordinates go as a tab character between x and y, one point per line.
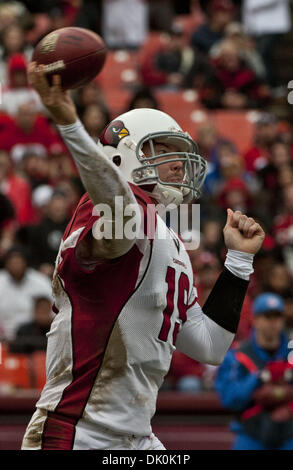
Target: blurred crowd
224	50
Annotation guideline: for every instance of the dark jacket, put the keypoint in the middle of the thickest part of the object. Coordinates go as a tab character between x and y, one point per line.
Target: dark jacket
242	390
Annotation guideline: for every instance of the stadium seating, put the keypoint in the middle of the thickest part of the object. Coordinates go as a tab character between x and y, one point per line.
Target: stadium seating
22	371
15	370
236	126
38	366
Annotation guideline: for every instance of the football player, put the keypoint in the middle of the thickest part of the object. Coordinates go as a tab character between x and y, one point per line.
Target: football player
124	303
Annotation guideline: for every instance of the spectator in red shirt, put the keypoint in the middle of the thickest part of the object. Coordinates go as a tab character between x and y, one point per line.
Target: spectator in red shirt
236	195
28	128
277	173
16	189
266	131
233	85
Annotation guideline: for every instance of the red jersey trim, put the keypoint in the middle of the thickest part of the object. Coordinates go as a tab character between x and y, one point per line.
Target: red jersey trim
87	353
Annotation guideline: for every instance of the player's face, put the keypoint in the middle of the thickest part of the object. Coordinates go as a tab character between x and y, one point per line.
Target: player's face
171	172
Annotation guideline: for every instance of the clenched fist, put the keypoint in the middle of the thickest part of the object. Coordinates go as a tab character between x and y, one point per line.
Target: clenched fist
242	233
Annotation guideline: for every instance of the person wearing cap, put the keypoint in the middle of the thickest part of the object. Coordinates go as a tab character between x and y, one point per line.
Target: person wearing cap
255	381
17	91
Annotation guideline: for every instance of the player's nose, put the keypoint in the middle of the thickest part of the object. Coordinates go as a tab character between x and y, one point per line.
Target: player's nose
176	166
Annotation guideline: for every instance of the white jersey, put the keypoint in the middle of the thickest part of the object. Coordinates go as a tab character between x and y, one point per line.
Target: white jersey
111	342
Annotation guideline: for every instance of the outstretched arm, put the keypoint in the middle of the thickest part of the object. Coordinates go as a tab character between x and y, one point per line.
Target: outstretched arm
209	331
100	176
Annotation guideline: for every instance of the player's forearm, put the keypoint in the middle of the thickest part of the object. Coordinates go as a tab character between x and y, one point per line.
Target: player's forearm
225	301
202	339
209	331
100	177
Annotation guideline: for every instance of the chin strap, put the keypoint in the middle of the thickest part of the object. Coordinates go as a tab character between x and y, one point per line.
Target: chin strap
167	195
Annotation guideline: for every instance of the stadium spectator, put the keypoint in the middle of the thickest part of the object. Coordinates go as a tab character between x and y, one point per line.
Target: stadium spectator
264	263
31	336
95	118
41	198
211	144
161	15
285	176
206	268
124	23
266	21
85	14
17	91
7	224
283	226
73	190
16	189
170	63
279	280
8	15
288	300
211	236
265	133
19	285
246	47
13	42
277	173
26	129
220	14
233	85
143	98
235	194
34	166
229	165
279	156
6	211
256	381
43	239
61	168
87	95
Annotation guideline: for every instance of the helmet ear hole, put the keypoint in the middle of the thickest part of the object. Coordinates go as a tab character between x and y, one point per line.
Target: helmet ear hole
116	160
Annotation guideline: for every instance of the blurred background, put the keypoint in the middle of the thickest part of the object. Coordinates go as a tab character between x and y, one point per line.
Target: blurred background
221	68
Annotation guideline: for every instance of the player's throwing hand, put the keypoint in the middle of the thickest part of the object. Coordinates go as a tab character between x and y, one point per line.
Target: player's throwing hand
58	102
242	233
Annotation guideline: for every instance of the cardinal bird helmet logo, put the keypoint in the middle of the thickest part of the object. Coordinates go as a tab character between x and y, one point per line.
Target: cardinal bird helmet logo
114	133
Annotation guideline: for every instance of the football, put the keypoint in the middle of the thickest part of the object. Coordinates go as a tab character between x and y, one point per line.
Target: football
76	54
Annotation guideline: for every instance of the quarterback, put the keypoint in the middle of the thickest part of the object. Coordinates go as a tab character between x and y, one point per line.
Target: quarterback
124	304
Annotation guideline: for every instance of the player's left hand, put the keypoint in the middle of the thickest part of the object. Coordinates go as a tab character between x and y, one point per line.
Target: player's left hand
242	233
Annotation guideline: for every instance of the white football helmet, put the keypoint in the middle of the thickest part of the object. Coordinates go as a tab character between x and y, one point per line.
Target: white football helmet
123	139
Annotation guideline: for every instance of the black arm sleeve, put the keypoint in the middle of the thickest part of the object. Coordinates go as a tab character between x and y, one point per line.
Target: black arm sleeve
225	301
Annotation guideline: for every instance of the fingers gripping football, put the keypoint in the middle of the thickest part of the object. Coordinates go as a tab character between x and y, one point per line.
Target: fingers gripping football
242	233
57	101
